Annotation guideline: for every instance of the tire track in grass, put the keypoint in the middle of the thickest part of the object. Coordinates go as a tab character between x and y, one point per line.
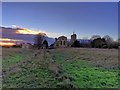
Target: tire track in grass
33	74
19	67
56	69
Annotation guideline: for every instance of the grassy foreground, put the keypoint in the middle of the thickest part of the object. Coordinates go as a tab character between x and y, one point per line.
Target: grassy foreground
57	68
26	71
85	75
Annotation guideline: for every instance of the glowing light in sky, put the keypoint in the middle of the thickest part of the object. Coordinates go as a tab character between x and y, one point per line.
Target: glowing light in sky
27	31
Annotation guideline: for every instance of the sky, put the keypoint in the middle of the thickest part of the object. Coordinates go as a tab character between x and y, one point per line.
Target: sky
60	18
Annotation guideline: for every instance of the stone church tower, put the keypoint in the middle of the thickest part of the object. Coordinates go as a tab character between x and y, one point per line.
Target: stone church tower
73	38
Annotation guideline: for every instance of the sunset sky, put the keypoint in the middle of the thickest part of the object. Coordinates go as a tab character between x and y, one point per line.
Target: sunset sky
56	19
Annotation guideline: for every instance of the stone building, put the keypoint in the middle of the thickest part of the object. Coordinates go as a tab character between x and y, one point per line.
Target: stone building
61	42
73	38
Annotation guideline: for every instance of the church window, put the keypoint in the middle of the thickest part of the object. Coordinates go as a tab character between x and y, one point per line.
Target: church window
61	42
64	43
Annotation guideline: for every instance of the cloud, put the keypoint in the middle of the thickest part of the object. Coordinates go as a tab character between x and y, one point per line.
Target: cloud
53	35
11	36
15	26
27	31
7	39
49	34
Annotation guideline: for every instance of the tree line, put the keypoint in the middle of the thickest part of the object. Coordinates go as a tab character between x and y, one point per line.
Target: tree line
96	41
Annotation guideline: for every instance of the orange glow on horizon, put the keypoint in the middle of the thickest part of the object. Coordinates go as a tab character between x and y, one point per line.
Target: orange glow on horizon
8	41
7	44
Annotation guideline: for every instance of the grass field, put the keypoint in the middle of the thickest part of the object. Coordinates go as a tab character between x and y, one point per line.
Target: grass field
60	68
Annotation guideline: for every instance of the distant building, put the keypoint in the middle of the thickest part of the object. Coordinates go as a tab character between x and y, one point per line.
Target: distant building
61	42
26	45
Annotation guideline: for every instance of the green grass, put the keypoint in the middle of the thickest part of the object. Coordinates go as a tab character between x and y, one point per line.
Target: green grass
13	59
33	73
90	77
85	75
32	78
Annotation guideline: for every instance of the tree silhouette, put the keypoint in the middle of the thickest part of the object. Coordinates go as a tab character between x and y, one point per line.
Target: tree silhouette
75	44
98	43
45	43
38	40
109	41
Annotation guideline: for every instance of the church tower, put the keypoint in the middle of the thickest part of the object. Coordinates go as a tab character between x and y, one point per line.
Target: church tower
73	38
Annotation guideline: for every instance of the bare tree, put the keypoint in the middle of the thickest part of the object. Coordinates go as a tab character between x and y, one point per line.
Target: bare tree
98	43
38	40
109	41
95	37
108	38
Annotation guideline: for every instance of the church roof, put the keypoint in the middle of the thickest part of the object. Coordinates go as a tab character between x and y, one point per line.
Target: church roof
62	37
